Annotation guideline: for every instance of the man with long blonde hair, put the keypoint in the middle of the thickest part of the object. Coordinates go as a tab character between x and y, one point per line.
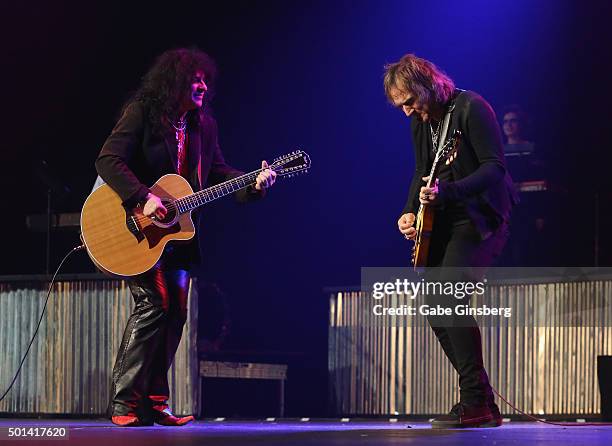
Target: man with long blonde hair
472	197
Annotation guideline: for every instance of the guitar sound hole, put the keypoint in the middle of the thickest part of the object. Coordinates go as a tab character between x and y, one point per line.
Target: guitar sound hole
171	214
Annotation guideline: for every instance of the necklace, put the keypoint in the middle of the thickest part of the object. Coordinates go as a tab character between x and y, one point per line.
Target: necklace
180	125
180	128
435	135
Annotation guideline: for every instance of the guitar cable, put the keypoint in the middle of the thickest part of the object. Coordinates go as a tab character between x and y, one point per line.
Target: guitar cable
42	314
554	423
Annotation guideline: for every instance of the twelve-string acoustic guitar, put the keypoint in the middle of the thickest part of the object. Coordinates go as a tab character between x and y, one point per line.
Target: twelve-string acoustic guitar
123	242
425	216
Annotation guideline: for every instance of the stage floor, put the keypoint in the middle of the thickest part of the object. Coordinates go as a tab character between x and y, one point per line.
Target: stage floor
313	433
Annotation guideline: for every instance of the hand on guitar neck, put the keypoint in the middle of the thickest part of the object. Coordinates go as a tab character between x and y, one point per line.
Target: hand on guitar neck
266	177
429	194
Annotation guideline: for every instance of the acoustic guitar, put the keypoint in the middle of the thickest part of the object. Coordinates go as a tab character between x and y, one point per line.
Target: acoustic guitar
123	242
425	215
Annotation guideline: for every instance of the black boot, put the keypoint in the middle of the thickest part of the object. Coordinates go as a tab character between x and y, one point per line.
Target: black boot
497	418
462	416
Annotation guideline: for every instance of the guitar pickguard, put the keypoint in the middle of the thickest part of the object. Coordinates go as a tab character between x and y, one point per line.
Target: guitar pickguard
151	232
154	234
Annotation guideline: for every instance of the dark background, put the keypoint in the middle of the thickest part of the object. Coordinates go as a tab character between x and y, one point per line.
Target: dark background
307	75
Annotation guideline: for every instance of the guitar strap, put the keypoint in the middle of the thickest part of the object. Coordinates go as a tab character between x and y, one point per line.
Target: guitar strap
447	118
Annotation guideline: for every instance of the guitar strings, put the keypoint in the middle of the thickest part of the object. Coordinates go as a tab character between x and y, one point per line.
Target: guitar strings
219	186
171	206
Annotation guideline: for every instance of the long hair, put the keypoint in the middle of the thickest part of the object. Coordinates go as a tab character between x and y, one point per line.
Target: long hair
168	81
419	77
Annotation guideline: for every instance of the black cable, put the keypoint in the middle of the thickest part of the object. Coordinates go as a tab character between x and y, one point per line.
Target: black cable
77	248
567	424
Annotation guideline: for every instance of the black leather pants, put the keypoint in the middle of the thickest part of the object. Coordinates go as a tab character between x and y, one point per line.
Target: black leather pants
150	340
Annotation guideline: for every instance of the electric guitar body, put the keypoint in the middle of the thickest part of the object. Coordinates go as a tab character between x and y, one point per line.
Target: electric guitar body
424	227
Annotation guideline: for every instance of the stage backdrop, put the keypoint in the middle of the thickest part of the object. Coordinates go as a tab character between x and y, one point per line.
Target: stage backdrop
69	367
543	359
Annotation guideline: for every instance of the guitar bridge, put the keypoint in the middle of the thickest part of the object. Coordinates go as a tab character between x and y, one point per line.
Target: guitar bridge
132	225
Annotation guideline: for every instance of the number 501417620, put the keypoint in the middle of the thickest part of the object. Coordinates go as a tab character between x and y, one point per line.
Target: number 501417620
40	432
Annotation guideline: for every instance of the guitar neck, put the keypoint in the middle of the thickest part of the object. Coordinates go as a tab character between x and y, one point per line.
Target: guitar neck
433	173
195	200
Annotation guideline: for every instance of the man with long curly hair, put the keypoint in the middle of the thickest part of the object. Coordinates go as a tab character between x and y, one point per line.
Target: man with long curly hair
165	127
472	197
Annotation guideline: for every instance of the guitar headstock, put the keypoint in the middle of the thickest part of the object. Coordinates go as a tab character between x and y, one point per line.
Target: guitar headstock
291	164
449	151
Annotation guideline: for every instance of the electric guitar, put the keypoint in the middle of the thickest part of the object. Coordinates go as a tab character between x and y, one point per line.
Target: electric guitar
425	215
123	242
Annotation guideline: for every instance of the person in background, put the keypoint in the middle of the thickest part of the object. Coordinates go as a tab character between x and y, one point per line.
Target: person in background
514	125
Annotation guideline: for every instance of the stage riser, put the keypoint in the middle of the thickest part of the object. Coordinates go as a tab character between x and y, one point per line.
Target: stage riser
69	368
542	367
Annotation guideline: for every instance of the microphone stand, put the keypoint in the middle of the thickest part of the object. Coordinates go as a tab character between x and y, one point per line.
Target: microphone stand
53	184
49	226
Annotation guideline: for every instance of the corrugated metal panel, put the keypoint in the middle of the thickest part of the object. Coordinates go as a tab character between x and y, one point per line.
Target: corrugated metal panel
69	368
543	358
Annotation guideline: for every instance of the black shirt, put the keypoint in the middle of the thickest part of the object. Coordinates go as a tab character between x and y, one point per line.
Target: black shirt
452	212
480	180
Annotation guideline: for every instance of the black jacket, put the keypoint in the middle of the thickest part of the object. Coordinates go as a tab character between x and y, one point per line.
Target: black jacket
482	182
134	157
